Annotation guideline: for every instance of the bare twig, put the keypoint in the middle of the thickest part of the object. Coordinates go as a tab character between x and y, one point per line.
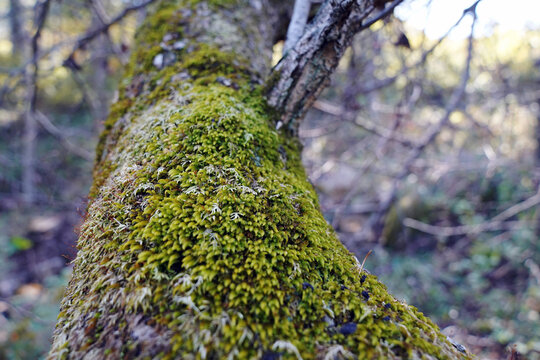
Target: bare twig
102	16
516	209
384	133
83	40
89	96
447	231
79	43
379	84
57	133
24	312
329	108
388	10
100	11
350	116
298	23
483	127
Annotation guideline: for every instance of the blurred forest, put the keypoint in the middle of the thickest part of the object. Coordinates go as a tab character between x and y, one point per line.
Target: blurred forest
425	150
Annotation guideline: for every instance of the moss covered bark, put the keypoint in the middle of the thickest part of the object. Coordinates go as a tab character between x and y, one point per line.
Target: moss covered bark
203	237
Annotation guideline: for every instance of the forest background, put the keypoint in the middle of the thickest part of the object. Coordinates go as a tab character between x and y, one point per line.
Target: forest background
444	193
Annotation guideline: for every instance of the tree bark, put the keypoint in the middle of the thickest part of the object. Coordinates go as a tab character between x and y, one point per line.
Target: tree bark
304	70
203	237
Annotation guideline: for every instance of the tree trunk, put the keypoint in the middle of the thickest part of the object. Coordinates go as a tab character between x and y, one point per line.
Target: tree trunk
203	237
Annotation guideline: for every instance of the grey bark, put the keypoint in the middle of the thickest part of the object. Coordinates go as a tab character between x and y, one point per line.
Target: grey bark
298	23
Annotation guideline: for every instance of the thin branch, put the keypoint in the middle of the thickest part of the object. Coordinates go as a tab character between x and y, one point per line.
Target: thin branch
79	43
447	231
518	208
100	12
498	222
300	76
381	15
388	81
104	18
57	133
83	40
298	23
24	312
42	10
340	113
385	133
483	127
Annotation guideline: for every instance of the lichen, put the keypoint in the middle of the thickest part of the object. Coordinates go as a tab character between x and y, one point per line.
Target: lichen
204	238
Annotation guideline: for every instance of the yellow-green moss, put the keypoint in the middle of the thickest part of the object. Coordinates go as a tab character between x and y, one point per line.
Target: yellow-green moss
218	3
165	19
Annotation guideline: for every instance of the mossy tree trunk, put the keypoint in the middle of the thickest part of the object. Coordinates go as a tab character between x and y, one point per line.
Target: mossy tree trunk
203	237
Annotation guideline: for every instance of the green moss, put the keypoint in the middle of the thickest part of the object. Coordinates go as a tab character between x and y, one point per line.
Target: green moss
218	3
208	63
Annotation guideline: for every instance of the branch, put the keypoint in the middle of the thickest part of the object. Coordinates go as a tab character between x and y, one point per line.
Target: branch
69	62
381	15
303	72
379	84
496	223
83	40
57	133
42	10
447	231
340	113
102	16
24	312
298	23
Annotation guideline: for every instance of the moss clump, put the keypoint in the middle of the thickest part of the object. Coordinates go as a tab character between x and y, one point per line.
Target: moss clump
208	63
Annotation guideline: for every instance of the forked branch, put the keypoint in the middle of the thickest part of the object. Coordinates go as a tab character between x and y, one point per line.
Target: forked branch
304	70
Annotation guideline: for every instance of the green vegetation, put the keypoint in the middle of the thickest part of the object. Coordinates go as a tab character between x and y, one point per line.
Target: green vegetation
480	282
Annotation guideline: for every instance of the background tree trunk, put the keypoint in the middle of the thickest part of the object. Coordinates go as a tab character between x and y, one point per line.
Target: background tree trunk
203	237
16	27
